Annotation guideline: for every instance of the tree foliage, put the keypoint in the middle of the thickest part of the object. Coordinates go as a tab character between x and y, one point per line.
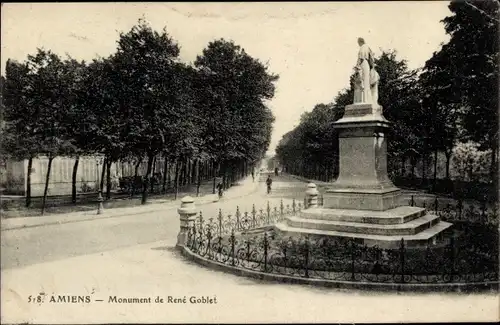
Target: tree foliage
453	98
462	77
140	103
238	124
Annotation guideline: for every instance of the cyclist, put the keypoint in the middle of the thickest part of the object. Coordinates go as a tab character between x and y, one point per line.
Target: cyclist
220	189
269	182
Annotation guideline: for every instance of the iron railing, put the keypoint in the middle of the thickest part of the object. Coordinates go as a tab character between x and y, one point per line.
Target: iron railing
246	221
231	240
329	259
458	211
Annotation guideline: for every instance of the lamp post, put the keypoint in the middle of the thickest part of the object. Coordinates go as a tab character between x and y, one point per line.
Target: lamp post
100	206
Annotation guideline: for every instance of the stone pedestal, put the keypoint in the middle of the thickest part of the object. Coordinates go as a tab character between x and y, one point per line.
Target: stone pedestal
187	215
363	183
363	204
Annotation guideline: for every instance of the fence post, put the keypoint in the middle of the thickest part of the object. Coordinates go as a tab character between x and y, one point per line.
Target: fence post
268	213
187	215
311	196
233	239
452	257
238	214
265	251
436	204
193	243
306	257
293	206
402	251
220	222
412	202
353	259
282	208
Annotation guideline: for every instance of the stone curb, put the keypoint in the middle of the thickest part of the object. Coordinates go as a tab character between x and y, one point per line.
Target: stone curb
156	209
492	286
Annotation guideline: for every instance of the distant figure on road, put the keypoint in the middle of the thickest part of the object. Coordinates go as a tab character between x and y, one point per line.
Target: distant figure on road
276	171
220	189
269	182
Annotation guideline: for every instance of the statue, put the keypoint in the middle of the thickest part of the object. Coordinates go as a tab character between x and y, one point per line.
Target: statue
366	77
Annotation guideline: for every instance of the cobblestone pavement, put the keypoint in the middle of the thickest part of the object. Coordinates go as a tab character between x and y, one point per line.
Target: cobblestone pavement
134	257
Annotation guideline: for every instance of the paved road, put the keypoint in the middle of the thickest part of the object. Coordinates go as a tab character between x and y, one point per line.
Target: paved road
22	247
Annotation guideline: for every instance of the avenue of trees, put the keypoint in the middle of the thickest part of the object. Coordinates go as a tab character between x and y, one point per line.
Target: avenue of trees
140	103
450	105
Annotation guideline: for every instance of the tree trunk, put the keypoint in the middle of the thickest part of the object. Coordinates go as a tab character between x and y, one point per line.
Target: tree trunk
176	179
136	172
146	179
493	164
424	170
180	177
189	171
198	180
28	182
195	171
165	171
213	175
403	163
435	168
47	179
108	179
169	176
101	186
153	180
448	160
412	168
73	180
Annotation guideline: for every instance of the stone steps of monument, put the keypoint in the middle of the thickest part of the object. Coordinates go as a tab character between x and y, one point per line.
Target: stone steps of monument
409	228
421	239
397	215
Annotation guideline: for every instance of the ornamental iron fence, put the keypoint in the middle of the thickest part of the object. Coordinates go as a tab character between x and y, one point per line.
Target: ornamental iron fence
247	240
345	260
247	221
470	255
458	211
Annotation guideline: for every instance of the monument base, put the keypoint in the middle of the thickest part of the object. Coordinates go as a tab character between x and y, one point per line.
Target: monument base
363	204
357	199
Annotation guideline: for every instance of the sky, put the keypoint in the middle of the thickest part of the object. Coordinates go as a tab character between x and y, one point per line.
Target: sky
311	46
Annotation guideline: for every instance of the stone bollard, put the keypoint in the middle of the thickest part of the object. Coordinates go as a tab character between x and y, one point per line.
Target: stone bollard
187	215
311	196
100	205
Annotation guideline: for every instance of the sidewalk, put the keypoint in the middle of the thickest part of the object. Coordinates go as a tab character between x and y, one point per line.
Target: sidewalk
245	187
